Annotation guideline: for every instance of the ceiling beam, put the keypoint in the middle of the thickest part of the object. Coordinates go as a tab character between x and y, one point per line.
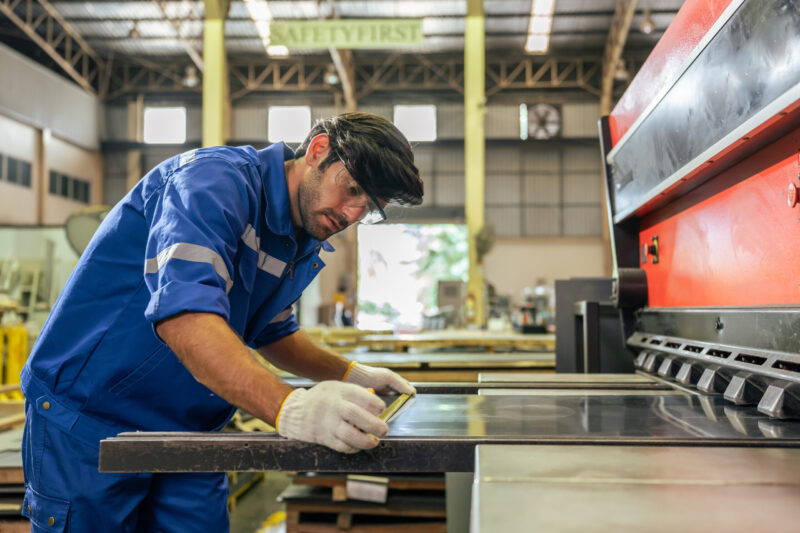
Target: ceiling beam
52	33
187	43
343	62
623	16
394	72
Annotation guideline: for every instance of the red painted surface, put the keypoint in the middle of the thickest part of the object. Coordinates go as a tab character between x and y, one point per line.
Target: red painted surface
734	240
684	33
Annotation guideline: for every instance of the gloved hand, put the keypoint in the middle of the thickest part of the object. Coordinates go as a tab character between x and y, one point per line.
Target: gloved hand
330	414
383	380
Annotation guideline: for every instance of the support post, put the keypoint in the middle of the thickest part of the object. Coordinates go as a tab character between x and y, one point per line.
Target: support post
215	77
474	148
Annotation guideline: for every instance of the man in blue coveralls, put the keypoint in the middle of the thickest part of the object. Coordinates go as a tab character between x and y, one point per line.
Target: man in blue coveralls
202	260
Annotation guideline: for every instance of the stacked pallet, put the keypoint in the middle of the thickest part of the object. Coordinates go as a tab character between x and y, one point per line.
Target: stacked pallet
319	503
12	483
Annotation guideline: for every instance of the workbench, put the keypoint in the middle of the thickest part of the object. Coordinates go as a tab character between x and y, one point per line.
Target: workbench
439	432
425	366
488	340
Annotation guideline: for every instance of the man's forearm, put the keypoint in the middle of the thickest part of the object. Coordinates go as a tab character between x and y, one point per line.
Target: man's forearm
218	359
299	354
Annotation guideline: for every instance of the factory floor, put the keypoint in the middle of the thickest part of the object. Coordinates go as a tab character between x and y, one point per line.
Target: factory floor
254	508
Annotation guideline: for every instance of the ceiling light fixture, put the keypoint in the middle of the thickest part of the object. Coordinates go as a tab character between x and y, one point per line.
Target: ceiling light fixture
648	25
262	16
331	76
190	78
539	26
621	73
134	31
277	50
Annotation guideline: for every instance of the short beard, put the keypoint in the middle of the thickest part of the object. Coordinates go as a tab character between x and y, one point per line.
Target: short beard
308	197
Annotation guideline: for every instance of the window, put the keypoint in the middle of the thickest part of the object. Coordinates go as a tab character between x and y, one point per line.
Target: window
164	125
24	169
417	122
68	187
288	123
18	172
399	267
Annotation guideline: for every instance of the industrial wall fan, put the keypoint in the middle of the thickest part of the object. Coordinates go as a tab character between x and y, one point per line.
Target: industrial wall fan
544	121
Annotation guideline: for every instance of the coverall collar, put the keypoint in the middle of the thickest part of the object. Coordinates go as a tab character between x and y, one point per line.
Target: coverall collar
273	175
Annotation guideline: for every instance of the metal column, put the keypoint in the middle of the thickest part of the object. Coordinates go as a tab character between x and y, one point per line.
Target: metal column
215	78
474	146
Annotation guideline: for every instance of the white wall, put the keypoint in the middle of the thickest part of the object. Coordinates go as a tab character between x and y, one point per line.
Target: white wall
514	264
18	204
34	95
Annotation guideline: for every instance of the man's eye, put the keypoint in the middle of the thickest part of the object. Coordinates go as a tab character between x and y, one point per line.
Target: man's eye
353	190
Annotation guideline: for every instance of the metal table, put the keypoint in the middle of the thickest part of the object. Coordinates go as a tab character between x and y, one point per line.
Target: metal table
450	360
568	379
438	433
634	488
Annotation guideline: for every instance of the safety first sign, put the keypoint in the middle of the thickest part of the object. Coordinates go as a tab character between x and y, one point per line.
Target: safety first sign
346	34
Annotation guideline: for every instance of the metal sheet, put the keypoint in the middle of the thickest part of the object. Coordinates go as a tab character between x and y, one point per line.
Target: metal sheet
573	392
580	416
624	488
572	379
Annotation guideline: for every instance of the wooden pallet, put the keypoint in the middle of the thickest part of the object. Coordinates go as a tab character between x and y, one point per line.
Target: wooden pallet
337	483
315	505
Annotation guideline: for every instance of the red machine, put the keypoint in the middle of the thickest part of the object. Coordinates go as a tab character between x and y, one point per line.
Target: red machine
702	174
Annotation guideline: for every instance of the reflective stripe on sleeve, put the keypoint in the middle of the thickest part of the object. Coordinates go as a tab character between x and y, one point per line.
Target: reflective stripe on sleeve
267	263
190	252
283	315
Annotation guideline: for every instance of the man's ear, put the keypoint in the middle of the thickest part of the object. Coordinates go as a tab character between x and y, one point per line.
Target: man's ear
318	149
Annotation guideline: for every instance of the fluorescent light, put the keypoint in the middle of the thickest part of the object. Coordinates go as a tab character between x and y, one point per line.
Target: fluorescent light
260	13
537	43
539	26
262	27
543	7
258	9
523	121
277	50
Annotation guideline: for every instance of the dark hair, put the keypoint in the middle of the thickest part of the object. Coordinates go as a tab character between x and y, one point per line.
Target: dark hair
374	152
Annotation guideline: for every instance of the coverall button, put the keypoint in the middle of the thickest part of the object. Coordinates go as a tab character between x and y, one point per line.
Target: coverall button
287	244
45	405
315	265
29	509
51	521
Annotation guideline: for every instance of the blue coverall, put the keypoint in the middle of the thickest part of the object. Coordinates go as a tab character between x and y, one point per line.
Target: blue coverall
207	231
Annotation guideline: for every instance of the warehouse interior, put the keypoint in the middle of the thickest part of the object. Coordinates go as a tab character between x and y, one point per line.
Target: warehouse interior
596	300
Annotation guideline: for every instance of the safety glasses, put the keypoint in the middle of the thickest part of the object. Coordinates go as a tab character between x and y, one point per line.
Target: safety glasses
357	196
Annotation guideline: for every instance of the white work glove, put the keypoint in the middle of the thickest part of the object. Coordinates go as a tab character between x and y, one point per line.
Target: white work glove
383	380
331	413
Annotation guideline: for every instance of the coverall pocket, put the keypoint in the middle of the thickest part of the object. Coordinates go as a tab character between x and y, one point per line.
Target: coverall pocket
45	513
141	371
